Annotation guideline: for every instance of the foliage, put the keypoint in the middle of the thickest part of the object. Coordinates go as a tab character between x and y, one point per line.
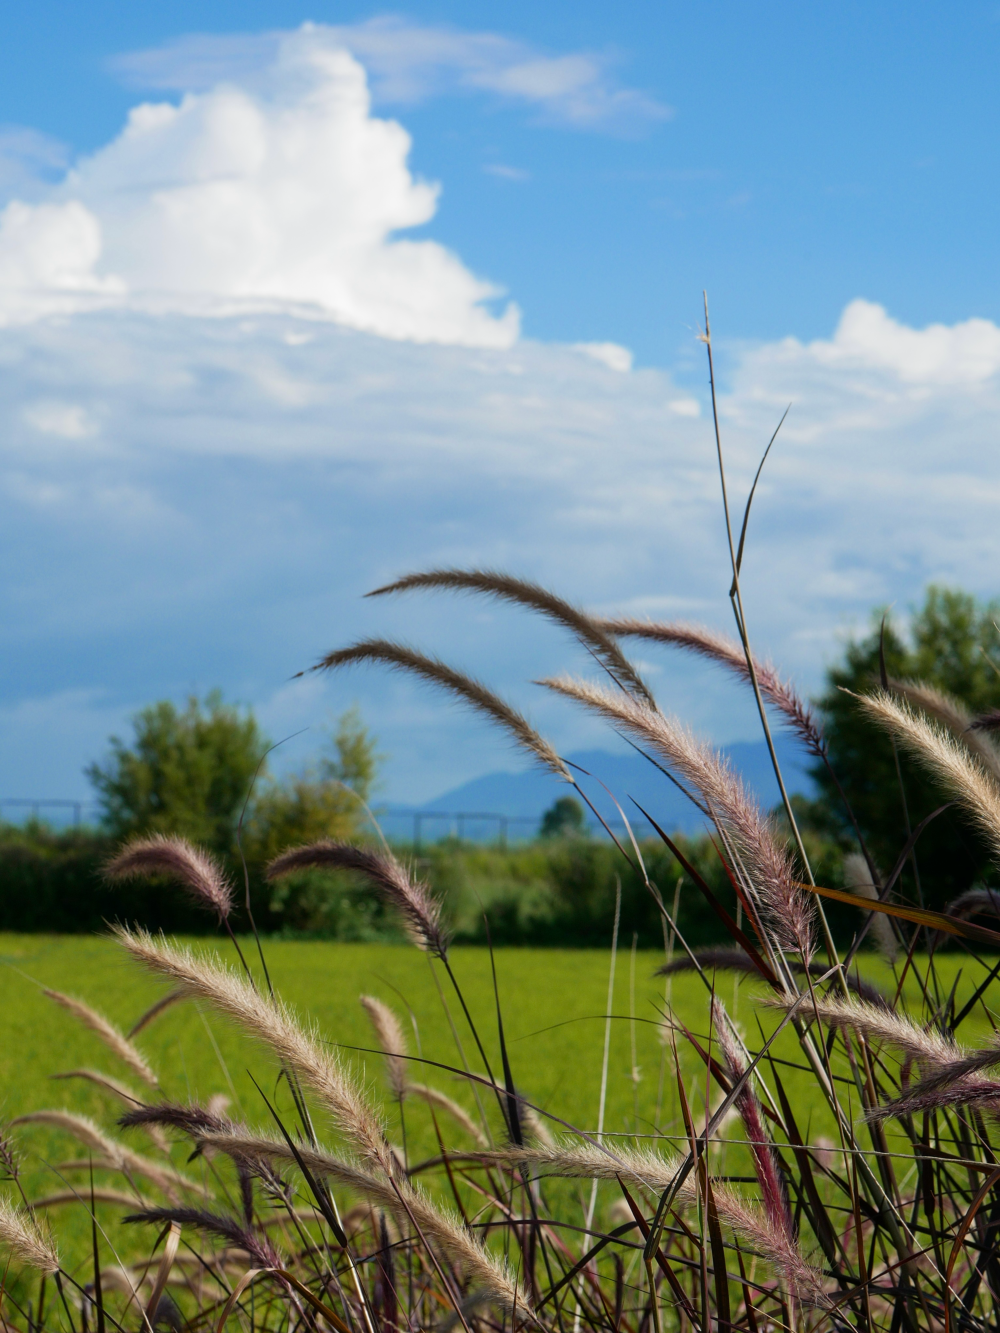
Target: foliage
951	644
325	800
187	771
564	817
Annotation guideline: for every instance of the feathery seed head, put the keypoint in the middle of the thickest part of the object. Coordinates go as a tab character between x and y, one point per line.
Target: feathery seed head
975	788
420	911
789	911
199	872
729	653
928	1049
522	592
953	714
24	1239
113	1039
404	1201
273	1024
657	1174
390	1037
765	1159
468	689
440	1101
858	878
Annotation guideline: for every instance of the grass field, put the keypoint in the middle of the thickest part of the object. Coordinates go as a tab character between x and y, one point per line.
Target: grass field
553	1004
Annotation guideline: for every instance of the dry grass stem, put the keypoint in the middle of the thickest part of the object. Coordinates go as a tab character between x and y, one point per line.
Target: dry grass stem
504	587
789	911
272	1023
114	1040
175	857
389	1035
414	901
25	1241
471	691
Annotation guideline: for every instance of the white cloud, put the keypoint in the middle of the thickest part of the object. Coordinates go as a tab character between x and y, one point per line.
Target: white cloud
410	62
284	194
868	339
612	355
253	477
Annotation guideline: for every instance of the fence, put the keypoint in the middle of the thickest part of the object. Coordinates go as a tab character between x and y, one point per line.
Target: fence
465	825
462	824
34	807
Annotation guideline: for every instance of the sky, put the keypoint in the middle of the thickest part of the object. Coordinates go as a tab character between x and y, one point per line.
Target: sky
293	301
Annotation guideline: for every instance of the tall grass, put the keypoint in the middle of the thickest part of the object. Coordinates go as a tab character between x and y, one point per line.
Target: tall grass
873	1202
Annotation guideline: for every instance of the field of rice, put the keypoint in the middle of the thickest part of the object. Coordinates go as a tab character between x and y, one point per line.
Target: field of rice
553	1004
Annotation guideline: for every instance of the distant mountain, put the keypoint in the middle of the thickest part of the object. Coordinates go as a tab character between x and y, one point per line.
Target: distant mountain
527	795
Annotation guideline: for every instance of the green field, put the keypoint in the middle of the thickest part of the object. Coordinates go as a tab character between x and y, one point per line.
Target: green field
553	1004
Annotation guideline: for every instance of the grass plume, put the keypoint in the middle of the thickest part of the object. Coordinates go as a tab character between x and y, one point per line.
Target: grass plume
787	908
975	789
25	1241
175	857
413	900
390	1037
406	1203
728	652
112	1037
274	1025
466	688
522	592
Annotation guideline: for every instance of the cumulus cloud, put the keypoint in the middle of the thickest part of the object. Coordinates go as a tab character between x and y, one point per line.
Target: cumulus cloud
285	193
409	62
204	502
869	340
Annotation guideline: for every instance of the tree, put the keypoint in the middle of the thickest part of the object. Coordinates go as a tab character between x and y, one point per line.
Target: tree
186	772
564	818
324	800
951	644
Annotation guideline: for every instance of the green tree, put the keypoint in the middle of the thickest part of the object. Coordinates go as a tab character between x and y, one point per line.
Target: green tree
354	760
951	644
564	818
187	771
324	800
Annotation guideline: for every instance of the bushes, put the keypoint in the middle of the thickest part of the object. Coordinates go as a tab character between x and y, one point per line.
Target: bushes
555	891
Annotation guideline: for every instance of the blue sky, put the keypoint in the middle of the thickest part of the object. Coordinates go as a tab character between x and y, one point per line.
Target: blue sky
274	342
811	154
